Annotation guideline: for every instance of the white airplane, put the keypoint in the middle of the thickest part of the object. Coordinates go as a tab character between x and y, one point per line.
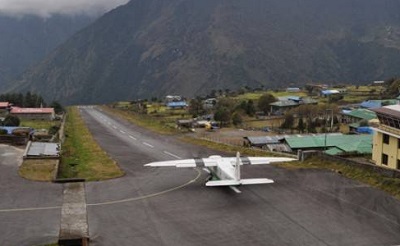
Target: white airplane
225	169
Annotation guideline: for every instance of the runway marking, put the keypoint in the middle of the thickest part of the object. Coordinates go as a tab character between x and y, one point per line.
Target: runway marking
150	195
132	137
27	209
147	144
122	132
170	154
112	202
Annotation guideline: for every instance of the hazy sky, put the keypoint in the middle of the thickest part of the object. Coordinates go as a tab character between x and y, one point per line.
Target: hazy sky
46	8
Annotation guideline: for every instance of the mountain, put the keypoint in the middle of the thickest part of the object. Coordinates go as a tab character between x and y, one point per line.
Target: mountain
25	40
155	47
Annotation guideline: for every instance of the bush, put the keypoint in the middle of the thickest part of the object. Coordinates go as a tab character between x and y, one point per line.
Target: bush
11	120
237	119
53	130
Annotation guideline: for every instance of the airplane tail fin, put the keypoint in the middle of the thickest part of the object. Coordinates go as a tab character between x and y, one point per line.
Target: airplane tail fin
237	166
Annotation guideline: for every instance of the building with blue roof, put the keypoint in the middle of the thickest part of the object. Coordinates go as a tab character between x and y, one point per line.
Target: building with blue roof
177	105
369	104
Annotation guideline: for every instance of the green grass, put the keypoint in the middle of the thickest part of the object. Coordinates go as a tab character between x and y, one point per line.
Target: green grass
82	157
156	124
38	169
39	124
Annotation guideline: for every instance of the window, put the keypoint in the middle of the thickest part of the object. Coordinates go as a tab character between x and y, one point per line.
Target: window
398	164
385	138
398	143
384	159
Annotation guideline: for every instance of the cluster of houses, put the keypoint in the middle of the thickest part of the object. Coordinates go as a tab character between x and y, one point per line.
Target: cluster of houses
20	135
27	113
375	125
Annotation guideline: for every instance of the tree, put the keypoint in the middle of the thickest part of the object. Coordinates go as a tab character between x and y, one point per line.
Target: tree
223	115
226	103
311	128
289	121
57	107
196	107
301	126
250	109
264	102
11	120
392	87
237	119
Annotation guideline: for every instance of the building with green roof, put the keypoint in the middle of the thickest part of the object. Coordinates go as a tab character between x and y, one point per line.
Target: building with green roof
358	115
332	143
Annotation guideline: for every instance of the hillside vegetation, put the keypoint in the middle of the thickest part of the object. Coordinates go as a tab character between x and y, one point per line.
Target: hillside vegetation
153	48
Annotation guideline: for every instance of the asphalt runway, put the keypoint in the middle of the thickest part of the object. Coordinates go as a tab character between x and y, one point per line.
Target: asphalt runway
29	211
172	206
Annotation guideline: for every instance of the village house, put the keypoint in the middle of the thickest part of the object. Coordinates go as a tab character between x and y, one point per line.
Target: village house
386	142
4	107
331	143
286	103
33	113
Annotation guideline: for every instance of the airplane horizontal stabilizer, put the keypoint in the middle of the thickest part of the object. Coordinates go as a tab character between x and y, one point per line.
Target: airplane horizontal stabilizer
255	181
223	183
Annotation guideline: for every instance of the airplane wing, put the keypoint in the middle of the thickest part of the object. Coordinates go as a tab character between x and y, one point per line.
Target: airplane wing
213	161
264	160
260	160
204	162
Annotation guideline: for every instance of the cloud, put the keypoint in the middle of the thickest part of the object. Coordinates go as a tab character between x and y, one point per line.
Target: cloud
46	8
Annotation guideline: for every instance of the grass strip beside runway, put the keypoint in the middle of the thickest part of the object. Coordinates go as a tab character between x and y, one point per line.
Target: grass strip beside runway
82	157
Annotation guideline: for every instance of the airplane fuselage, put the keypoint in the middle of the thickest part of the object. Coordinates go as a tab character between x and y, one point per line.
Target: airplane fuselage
223	171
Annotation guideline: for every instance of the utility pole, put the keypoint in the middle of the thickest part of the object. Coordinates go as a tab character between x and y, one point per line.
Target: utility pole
331	125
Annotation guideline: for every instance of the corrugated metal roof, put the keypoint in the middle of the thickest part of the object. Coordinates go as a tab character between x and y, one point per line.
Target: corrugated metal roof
279	147
333	151
286	103
43	149
308	100
177	104
363	114
330	92
263	140
318	141
361	146
4	104
378	103
393	110
17	110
